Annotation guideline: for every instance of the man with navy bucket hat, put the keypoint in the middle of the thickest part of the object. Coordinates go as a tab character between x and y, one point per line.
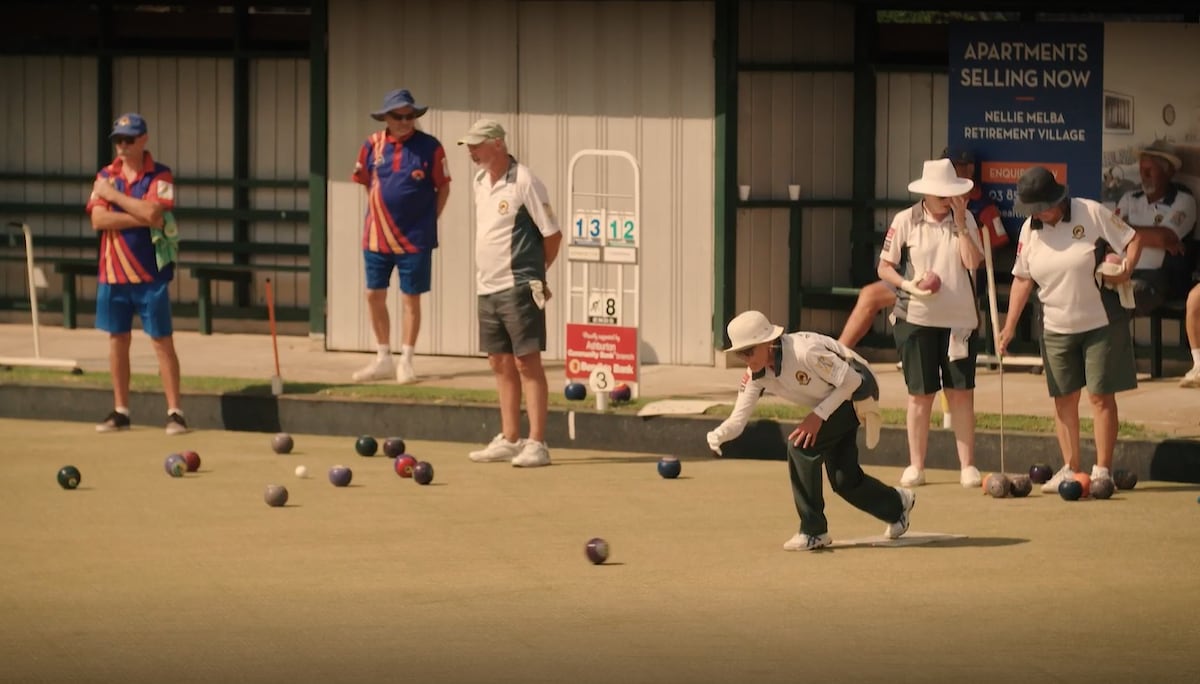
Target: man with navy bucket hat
407	179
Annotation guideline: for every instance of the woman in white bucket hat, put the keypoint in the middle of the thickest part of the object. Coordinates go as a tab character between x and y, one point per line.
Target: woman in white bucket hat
935	324
818	372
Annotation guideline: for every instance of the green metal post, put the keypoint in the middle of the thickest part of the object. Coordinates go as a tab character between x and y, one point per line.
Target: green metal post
725	49
318	154
104	86
241	142
795	267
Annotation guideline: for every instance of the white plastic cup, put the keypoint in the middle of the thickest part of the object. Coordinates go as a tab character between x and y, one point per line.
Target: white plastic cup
794	192
743	192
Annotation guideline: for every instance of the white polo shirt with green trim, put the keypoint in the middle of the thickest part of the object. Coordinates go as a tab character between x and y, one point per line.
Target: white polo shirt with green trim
811	370
916	243
1061	259
512	219
1175	210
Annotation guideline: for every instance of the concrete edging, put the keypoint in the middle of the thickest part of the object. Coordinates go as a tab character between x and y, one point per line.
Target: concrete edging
683	436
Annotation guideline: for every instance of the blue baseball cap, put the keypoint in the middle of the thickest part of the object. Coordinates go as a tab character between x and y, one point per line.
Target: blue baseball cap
398	99
129	124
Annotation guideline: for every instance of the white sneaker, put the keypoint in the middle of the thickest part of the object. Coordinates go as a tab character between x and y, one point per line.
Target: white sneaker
1191	378
404	373
970	477
868	414
804	542
499	449
908	499
1099	473
533	455
912	477
1051	486
382	368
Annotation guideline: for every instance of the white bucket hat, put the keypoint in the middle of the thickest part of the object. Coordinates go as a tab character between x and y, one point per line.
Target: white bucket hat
750	328
1163	150
938	179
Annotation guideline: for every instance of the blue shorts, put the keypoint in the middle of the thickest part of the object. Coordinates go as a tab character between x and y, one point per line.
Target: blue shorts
116	305
415	269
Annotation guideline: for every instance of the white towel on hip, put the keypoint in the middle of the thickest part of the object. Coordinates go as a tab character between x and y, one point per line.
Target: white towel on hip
960	343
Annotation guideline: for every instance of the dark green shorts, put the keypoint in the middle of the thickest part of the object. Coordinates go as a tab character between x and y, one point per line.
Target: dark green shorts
925	353
1101	360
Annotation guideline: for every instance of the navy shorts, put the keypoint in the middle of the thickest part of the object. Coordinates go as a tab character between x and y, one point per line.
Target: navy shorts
116	305
415	269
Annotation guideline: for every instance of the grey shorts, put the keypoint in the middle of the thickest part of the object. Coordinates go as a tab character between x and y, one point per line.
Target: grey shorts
1100	359
511	323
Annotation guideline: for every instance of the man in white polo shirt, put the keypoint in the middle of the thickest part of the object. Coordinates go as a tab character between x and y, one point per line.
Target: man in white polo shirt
516	241
1163	213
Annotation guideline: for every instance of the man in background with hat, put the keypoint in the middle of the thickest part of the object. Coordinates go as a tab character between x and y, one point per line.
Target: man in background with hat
516	240
407	179
1163	213
816	372
128	202
1068	247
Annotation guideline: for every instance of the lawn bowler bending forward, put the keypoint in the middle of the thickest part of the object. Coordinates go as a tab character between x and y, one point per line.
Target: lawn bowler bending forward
819	372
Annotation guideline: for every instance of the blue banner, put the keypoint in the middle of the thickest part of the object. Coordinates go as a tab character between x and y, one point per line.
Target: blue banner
1023	95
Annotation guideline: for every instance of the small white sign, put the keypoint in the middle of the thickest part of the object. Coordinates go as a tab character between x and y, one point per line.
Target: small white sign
604	306
620	255
601	379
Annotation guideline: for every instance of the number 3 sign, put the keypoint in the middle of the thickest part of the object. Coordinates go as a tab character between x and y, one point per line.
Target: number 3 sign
601	379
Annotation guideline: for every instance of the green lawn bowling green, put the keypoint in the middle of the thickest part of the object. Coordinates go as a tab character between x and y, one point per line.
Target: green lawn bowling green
139	577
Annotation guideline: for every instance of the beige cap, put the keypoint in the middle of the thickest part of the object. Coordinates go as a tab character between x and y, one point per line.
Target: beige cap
484	129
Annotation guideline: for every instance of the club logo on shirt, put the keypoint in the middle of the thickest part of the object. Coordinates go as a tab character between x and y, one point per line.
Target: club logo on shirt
887	239
802	377
418	174
745	379
1177	217
1077	232
1158	219
503	207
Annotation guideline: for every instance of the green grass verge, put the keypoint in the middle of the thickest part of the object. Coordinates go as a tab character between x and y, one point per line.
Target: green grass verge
447	395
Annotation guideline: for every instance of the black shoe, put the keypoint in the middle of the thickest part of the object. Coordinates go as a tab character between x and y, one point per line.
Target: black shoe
115	422
176	425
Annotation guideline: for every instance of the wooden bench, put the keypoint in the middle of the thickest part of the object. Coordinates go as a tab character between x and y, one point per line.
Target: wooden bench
206	273
73	268
1174	310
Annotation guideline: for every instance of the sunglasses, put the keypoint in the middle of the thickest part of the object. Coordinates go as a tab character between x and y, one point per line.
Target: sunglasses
401	117
124	139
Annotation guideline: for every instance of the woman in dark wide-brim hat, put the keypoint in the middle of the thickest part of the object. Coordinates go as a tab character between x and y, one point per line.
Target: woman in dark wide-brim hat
1076	251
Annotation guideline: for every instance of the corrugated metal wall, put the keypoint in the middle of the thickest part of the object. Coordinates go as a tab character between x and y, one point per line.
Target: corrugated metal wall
562	77
279	137
50	117
794	127
47	115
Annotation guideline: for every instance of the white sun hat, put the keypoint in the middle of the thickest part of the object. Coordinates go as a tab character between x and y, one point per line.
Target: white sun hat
750	328
938	179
